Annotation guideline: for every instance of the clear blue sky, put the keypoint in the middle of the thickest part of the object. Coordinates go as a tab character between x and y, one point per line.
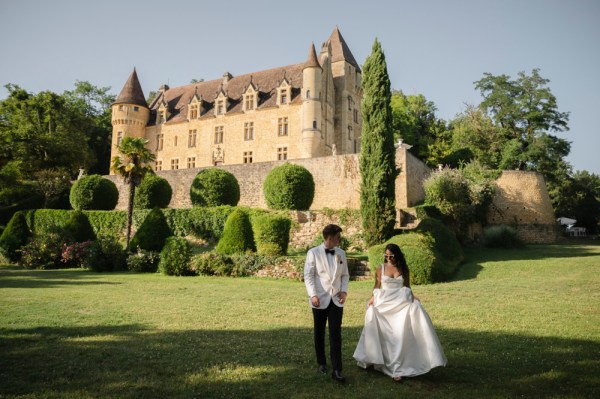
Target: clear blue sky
437	48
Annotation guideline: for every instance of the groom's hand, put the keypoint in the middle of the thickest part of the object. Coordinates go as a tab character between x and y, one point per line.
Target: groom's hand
315	301
342	297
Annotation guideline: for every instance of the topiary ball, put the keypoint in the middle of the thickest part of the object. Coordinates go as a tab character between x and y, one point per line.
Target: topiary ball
153	192
237	234
272	234
153	232
214	187
94	192
289	187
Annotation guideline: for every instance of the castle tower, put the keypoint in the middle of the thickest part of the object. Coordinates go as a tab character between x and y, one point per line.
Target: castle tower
348	94
130	113
311	105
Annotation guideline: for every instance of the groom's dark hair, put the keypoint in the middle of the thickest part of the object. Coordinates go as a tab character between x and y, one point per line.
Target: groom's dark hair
331	230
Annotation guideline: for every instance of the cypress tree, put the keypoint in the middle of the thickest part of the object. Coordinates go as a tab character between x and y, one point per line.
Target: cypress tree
377	157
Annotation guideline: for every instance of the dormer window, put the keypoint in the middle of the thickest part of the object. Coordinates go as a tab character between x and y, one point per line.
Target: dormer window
220	107
284	93
249	102
161	117
193	113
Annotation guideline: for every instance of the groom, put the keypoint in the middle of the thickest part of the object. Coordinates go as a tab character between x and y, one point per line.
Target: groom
326	278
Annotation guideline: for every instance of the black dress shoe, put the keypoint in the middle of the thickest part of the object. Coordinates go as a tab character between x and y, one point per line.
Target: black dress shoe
323	369
337	375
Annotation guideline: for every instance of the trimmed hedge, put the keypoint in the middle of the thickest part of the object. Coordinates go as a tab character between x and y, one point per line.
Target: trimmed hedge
237	234
289	186
153	192
175	258
271	234
153	233
432	252
14	236
79	228
94	192
214	187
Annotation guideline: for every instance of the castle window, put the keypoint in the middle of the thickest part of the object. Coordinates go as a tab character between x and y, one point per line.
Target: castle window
308	94
174	141
161	116
355	115
249	102
174	164
159	141
349	132
282	153
158	165
192	138
119	138
191	162
136	109
284	97
218	134
314	124
193	111
283	126
220	107
122	108
350	103
247	156
249	131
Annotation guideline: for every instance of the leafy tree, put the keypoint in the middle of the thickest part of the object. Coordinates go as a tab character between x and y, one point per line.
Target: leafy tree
414	121
579	198
132	165
53	184
526	112
377	157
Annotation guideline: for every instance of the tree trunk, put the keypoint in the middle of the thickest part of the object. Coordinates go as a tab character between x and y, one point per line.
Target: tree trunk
130	211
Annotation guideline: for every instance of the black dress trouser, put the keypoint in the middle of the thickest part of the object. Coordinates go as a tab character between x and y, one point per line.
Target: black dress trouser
332	315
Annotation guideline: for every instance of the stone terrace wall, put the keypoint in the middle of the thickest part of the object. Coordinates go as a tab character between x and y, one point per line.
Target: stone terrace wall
522	200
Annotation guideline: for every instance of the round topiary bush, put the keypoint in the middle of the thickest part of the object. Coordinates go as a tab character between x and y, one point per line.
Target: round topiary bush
94	192
78	227
153	192
153	232
14	236
214	187
272	234
289	187
237	234
175	258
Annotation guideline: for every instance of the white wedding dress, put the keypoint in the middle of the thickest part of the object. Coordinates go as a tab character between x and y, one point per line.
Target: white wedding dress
398	338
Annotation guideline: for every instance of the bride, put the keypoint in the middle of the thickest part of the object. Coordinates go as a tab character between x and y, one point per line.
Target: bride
398	338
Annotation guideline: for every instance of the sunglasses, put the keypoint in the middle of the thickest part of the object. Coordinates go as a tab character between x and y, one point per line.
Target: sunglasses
389	256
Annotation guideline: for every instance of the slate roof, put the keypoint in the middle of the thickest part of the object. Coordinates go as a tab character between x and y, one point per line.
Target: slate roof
132	92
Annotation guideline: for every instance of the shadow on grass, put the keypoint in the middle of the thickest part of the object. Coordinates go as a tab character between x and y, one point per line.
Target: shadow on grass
25	278
132	361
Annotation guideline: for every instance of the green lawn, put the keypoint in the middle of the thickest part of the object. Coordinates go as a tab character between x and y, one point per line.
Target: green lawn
513	323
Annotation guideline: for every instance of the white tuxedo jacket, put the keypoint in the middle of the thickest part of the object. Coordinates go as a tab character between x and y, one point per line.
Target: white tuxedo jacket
325	281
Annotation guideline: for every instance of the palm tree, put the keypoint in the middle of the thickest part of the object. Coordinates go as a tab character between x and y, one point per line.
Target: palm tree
133	166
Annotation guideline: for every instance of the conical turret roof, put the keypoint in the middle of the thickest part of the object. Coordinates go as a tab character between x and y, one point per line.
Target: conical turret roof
132	92
312	60
340	50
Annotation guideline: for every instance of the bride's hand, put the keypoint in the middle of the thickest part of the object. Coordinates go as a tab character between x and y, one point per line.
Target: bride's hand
371	301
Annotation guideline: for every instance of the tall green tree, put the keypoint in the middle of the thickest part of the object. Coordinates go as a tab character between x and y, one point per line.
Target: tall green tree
527	112
579	198
132	165
377	157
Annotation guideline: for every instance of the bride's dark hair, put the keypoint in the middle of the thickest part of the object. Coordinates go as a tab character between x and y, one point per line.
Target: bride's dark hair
400	262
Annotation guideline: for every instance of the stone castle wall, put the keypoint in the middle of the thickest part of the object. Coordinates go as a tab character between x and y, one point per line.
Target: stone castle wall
521	200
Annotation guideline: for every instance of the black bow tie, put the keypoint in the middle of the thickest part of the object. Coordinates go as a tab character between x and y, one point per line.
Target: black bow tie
330	251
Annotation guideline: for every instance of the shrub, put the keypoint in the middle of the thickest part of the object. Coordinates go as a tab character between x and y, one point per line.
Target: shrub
76	255
214	187
289	187
237	234
208	222
318	240
153	192
153	232
14	236
445	245
17	198
175	258
94	192
43	252
272	234
78	227
212	264
502	236
143	261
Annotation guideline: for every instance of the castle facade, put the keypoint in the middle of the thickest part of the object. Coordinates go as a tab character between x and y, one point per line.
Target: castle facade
299	111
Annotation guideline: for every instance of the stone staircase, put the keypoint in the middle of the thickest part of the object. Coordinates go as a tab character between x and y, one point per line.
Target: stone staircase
359	270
